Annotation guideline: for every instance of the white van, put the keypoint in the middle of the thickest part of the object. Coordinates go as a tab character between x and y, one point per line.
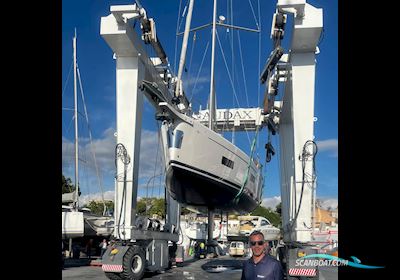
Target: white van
236	248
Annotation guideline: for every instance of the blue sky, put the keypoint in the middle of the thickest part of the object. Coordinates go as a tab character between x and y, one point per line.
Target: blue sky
97	69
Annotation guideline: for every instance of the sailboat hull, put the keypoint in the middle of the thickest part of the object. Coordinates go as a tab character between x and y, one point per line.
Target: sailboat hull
206	170
96	225
198	188
72	224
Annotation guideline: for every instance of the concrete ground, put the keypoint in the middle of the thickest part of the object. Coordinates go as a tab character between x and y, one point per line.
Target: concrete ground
328	273
224	267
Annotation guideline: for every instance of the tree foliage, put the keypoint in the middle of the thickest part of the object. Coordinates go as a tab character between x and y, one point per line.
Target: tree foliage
151	206
278	209
97	207
67	186
141	207
271	215
154	206
158	207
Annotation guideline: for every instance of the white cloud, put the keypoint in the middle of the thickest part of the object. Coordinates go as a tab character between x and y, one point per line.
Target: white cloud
189	83
328	203
150	158
67	151
271	202
104	149
325	203
85	199
329	145
108	195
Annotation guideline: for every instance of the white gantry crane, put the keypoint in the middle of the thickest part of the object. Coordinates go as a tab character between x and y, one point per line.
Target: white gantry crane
292	117
140	243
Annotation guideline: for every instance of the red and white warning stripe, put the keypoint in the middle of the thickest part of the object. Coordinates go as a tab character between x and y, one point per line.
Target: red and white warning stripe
302	272
112	267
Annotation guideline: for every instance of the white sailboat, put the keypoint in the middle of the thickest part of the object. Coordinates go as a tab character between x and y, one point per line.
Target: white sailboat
198	230
78	221
203	168
248	224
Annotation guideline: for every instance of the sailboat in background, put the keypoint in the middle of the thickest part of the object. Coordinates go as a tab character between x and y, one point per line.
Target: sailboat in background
78	221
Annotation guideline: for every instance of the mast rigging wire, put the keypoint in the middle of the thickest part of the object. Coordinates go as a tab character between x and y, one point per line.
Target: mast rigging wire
66	83
176	36
252	10
230	78
191	56
198	73
244	76
91	141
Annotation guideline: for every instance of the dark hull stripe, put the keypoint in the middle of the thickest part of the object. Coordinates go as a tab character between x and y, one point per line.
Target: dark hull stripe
196	187
207	173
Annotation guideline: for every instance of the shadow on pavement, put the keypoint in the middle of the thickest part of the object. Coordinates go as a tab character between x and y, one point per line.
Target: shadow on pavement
187	262
222	265
76	262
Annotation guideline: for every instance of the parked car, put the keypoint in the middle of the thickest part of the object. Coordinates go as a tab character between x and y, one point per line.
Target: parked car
236	248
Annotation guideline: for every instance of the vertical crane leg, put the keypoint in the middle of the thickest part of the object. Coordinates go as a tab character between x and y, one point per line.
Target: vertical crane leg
211	244
129	122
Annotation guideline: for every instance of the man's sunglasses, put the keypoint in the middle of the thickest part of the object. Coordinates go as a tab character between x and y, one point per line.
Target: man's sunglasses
253	243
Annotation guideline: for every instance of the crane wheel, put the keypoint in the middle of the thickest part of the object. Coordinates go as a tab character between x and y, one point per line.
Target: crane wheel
133	263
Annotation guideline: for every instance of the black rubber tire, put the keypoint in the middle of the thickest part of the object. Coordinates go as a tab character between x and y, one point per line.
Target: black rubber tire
113	275
134	252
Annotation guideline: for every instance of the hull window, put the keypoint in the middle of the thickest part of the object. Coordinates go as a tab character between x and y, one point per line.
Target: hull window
252	178
227	162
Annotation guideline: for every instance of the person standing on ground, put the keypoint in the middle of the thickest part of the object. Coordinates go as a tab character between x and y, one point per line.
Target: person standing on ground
197	250
261	265
103	245
202	249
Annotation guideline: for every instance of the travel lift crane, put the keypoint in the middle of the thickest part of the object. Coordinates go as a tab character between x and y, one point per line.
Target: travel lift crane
140	244
293	118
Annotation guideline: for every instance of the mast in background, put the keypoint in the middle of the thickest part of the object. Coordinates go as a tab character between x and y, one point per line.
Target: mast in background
211	122
179	89
76	128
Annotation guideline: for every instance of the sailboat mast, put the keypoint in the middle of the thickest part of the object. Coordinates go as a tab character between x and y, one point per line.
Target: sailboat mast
76	126
211	122
184	47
